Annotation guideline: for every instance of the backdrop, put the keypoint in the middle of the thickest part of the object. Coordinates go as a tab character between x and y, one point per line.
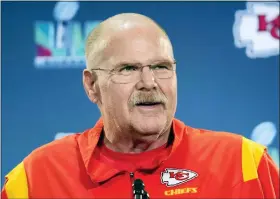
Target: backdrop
228	69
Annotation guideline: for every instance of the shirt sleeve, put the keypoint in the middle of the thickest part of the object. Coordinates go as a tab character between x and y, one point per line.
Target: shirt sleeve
16	184
260	174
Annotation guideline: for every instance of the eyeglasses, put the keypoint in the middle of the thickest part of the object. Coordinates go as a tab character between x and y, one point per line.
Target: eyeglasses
127	73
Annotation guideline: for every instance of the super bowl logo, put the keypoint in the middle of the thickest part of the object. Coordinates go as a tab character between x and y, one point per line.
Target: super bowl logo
61	43
258	29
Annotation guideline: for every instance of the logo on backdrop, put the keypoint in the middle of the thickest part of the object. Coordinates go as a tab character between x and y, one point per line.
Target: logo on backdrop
265	133
60	135
60	43
258	29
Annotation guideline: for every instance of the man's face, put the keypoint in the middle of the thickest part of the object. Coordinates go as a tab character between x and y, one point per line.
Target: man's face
120	102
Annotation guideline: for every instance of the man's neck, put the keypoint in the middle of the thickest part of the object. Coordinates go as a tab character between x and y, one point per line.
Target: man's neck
132	145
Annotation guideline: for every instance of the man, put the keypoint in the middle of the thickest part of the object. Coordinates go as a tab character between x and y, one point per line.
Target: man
131	76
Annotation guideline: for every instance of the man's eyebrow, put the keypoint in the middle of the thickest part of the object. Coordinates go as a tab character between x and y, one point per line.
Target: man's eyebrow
157	61
127	63
162	61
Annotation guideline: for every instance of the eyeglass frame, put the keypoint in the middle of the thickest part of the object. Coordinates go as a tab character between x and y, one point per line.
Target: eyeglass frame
113	71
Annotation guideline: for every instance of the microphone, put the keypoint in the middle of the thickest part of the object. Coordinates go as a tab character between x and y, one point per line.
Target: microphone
138	190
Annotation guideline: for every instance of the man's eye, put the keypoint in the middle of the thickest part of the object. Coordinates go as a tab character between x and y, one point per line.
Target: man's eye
128	68
160	67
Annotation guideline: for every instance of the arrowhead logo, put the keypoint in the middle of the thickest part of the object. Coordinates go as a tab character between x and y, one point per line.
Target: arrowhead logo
172	177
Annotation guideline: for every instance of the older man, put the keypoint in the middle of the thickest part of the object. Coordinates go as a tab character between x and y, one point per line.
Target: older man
138	149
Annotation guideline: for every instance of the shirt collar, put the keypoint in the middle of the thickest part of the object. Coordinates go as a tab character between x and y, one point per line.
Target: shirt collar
98	171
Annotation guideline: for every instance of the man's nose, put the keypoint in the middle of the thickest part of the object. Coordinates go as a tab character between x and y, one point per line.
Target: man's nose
147	79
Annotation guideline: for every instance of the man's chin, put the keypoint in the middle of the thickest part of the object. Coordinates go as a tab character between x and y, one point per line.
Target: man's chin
148	122
149	126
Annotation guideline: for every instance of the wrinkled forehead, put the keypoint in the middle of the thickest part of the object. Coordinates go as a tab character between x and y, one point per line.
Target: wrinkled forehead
139	46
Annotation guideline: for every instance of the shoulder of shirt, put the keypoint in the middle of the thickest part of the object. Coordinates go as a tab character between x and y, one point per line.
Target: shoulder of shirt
246	153
209	136
62	147
228	138
47	155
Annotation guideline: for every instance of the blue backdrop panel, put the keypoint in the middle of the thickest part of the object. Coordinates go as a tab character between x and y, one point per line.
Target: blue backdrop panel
219	86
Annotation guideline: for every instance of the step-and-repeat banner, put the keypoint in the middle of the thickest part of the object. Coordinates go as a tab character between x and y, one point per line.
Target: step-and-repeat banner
228	68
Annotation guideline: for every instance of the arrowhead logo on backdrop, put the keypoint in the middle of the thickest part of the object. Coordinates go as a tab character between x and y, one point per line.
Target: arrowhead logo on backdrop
60	43
258	29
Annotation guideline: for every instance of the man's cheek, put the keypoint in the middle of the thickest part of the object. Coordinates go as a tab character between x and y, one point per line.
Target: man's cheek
120	100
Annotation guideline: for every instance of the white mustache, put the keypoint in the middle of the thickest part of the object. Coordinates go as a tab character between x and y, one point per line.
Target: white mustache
147	97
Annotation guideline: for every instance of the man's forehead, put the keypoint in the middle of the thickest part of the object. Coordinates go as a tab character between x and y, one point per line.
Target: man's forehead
138	49
115	60
131	38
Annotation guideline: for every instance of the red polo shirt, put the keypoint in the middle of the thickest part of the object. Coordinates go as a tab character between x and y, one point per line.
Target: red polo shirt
132	162
197	164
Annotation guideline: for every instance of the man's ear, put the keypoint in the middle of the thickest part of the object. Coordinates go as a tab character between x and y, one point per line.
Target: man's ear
89	82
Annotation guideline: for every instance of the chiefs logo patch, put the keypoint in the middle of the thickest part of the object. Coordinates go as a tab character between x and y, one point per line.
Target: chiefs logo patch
172	177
